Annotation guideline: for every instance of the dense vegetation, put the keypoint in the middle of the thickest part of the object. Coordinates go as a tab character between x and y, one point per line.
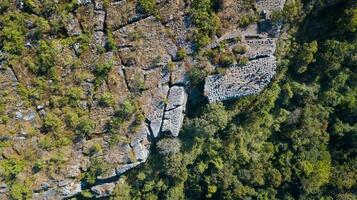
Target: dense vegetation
296	140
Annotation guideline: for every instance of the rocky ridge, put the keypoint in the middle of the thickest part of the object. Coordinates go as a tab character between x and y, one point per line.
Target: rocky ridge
251	78
146	50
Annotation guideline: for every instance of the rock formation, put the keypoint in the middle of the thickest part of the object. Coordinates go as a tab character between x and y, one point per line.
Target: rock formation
145	67
253	77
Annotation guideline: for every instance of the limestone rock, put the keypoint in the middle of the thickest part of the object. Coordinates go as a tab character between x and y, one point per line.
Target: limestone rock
122	13
99	17
240	80
72	25
103	190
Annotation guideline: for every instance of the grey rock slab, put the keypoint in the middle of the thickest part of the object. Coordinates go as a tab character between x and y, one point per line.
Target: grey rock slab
103	190
177	97
72	25
173	120
240	80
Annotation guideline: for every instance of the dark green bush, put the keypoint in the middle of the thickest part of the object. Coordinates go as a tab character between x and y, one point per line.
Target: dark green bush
52	123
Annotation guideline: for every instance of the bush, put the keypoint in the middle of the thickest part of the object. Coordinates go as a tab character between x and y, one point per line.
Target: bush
181	54
74	96
242	60
206	21
107	99
20	191
240	49
226	60
85	126
197	76
52	123
71	119
13	33
148	6
46	59
4	5
247	19
102	69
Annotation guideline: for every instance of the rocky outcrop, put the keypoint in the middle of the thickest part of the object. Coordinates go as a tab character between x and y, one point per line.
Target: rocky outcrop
241	81
142	51
103	190
174	111
259	40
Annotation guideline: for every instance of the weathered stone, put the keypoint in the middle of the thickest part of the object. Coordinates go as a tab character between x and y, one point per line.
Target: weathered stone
177	97
99	17
260	47
122	13
240	81
173	120
72	25
146	43
3	188
69	188
103	190
120	170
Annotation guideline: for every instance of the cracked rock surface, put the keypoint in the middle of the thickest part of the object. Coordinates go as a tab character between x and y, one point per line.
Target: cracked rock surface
146	76
253	77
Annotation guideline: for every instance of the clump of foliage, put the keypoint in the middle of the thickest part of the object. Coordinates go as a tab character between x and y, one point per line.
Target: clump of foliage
181	54
148	6
196	75
107	99
52	123
240	49
102	69
13	32
248	19
226	60
206	21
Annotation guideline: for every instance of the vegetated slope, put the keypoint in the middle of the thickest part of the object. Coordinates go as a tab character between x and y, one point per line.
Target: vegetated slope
296	140
86	84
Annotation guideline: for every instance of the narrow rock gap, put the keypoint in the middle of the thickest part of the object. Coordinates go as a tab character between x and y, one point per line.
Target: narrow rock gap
164	110
174	108
124	73
132	21
258	57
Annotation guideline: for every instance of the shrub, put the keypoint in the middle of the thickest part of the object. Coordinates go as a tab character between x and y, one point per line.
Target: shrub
206	21
85	126
242	60
196	76
96	168
148	6
181	54
247	19
102	69
107	99
11	167
52	123
13	33
226	60
240	49
71	119
46	59
74	96
20	191
4	5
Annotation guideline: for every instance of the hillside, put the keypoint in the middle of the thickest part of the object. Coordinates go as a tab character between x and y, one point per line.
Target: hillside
172	99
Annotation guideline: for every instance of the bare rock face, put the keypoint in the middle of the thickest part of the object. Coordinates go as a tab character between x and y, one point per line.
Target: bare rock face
103	190
259	39
122	13
240	80
72	25
174	111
